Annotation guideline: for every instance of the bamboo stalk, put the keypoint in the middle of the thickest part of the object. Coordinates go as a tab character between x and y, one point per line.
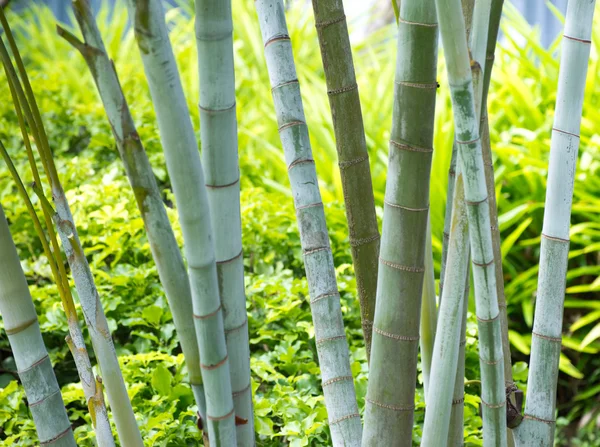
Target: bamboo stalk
88	295
494	26
33	364
428	312
390	403
466	115
456	432
353	158
185	170
214	28
332	346
165	251
538	424
94	401
445	359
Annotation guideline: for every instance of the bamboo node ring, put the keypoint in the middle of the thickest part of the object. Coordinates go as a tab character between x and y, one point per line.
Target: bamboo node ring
212	314
347	164
348	88
547	337
458	401
565	132
227	261
500	405
60	435
216	365
283	84
418	84
316	250
330	22
427	25
236	181
576	39
363	241
404	268
557	239
291	124
417	210
217	111
483	264
410	148
324	340
323	296
476	202
310	205
38	362
276	38
349	416
489	320
468	142
390	407
535	418
220	418
394	336
337	379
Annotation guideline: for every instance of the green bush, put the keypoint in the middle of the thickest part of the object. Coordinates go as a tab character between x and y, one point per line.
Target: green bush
288	400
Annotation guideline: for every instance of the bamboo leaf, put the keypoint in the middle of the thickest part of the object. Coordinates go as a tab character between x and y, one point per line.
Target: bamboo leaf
592	335
520	342
567	367
512	238
585	320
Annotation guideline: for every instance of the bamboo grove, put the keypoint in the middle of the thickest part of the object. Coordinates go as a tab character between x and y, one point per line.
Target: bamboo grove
405	321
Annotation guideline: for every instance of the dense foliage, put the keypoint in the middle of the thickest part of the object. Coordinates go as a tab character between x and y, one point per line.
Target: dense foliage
288	400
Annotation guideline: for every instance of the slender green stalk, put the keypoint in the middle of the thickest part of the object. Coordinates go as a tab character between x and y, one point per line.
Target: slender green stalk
185	170
94	399
389	403
495	16
165	251
92	308
332	346
445	359
538	425
351	146
214	28
456	432
452	27
428	311
33	364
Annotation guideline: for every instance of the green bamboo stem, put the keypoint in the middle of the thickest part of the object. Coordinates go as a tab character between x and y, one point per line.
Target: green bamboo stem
214	29
88	295
353	158
31	358
456	432
428	311
537	428
466	116
165	251
332	346
390	404
95	400
185	170
445	359
494	26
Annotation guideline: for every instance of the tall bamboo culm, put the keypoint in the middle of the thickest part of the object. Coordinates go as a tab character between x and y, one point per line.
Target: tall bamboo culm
33	364
494	26
445	359
353	158
428	311
187	178
456	429
214	29
163	245
95	318
537	428
332	346
390	402
466	115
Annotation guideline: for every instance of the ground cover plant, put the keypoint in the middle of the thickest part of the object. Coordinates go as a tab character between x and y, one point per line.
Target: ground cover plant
289	407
